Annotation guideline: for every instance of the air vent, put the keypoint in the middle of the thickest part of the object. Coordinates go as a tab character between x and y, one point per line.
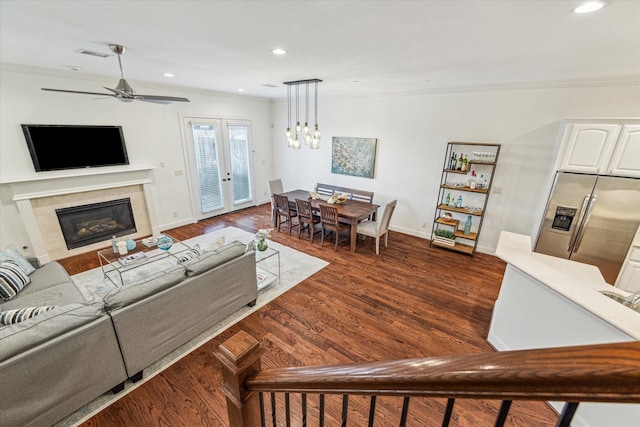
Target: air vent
92	53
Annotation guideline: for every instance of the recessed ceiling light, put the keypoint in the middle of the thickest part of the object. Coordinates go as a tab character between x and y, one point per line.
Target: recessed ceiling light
590	6
279	51
74	68
168	74
240	90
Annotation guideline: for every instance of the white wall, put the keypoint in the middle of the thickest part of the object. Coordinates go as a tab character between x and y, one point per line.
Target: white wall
152	134
412	133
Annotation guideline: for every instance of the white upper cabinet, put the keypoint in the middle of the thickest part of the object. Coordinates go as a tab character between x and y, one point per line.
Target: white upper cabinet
601	148
588	147
626	156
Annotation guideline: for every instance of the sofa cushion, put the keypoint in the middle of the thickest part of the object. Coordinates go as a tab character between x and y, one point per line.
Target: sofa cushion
18	315
190	254
209	260
20	337
12	280
11	253
47	275
214	245
140	289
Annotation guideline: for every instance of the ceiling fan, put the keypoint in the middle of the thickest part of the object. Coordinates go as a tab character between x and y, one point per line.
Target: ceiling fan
123	91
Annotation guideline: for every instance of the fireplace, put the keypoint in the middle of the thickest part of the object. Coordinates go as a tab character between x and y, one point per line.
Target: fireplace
97	222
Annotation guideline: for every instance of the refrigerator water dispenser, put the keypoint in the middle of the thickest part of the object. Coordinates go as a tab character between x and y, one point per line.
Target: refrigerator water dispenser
563	218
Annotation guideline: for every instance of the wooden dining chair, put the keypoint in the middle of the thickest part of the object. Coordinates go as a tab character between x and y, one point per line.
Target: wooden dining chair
331	222
306	216
283	210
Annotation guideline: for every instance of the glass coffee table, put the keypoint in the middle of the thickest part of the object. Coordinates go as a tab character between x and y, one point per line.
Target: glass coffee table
267	263
143	260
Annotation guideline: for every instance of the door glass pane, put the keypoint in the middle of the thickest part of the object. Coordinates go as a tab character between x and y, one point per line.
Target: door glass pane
239	151
205	147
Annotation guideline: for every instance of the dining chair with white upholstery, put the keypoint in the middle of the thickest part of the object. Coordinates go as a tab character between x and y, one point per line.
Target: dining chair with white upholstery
275	187
377	229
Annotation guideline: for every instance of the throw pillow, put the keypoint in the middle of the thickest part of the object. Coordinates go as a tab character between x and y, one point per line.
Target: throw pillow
251	246
12	280
11	253
214	245
11	317
190	254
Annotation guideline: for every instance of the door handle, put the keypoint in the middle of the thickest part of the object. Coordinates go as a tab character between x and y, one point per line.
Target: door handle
572	240
584	225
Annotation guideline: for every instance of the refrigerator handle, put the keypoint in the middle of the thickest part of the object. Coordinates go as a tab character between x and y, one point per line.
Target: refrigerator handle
572	240
584	224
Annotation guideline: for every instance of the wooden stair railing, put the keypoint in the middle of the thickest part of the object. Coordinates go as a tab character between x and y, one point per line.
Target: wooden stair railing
591	373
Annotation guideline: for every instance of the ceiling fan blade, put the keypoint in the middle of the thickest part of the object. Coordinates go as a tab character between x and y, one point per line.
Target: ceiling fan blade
160	98
77	91
118	93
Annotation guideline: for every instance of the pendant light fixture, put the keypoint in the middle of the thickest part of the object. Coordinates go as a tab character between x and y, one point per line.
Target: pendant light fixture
300	133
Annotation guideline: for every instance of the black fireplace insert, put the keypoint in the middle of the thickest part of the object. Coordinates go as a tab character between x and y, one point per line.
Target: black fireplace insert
96	222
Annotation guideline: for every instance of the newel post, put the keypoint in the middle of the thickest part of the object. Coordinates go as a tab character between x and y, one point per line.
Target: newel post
240	357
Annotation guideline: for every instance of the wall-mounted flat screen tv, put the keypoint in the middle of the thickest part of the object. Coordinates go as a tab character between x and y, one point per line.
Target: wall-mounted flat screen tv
57	147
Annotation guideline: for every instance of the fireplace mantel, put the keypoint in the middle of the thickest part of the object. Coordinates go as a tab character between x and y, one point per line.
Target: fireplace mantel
79	180
27	190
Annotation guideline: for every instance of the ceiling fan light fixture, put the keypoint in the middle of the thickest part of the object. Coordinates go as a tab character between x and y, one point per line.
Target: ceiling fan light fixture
123	91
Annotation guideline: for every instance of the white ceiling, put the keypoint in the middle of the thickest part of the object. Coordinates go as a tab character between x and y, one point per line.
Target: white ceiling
356	47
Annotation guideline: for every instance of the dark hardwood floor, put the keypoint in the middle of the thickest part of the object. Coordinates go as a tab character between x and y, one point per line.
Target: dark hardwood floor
410	301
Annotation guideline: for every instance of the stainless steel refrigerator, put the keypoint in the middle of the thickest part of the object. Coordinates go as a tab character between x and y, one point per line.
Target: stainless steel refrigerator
591	219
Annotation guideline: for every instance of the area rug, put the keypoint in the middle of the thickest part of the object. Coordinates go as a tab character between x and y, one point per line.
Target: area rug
295	266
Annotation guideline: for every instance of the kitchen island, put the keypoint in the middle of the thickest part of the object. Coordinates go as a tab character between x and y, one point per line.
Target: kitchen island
551	302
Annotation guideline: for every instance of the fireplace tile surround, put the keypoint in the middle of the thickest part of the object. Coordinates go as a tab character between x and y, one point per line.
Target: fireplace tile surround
38	198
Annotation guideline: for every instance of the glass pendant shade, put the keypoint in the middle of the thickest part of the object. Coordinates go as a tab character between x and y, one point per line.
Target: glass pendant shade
299	134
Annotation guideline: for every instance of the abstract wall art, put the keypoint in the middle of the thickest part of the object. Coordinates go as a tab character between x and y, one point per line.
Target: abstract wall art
353	156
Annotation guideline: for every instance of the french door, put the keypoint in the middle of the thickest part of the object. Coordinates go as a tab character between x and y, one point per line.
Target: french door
220	165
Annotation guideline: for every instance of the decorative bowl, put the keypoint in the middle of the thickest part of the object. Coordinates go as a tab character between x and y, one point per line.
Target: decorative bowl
165	242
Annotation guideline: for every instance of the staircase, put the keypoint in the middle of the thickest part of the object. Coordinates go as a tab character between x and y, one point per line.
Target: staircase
593	373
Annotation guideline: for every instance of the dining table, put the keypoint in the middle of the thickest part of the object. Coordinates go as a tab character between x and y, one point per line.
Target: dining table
349	211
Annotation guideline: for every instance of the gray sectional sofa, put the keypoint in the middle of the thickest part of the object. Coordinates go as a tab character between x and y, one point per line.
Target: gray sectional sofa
59	360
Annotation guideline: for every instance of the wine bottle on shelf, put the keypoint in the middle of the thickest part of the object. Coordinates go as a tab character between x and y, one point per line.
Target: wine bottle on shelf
464	164
448	199
472	180
459	163
452	161
452	202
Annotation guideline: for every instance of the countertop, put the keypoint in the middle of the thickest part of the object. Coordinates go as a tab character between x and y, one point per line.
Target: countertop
579	283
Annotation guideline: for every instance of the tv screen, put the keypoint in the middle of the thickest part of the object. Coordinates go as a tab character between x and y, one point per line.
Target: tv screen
56	147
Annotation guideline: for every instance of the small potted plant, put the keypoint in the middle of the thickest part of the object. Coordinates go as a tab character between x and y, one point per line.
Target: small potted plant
261	238
445	237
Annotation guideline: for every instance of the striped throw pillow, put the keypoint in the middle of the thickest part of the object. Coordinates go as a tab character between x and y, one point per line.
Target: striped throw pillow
11	317
190	254
12	280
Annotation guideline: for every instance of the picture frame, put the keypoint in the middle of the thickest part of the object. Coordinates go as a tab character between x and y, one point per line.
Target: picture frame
353	156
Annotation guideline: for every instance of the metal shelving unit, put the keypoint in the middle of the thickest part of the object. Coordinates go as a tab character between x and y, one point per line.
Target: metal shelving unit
454	184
